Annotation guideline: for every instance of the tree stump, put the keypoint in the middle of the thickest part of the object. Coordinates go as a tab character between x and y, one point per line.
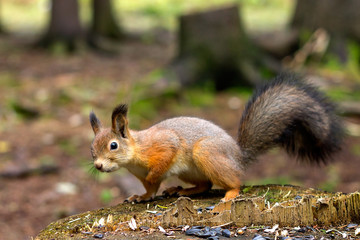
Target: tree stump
2	30
103	24
213	46
65	28
257	205
62	30
339	18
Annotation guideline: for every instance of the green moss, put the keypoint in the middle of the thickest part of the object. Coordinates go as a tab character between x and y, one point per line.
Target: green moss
62	98
8	80
68	146
343	94
199	97
76	225
106	196
355	149
332	181
353	63
47	159
349	68
22	111
241	92
274	180
143	14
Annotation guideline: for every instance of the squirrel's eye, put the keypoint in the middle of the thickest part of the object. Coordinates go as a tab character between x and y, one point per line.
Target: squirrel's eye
113	145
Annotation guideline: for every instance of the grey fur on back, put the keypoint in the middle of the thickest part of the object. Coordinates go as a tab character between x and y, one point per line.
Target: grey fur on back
191	129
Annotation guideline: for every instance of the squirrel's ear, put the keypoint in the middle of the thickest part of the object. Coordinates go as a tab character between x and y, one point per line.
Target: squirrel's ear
95	123
119	121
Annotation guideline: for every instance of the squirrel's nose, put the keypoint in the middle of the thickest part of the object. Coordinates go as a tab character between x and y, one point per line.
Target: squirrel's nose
98	165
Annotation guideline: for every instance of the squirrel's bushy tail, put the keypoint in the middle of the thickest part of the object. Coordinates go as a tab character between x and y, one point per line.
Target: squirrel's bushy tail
290	113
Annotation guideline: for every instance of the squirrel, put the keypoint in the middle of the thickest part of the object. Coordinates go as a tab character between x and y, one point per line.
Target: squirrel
285	112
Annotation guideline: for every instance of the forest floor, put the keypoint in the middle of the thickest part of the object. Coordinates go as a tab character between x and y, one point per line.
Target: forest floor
45	100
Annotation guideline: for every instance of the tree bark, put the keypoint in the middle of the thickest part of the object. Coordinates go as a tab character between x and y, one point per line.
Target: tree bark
266	205
103	25
341	19
1	26
213	46
103	21
338	17
64	26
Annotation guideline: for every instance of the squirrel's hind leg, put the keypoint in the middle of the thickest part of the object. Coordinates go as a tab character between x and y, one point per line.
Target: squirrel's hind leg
172	191
220	167
200	187
231	194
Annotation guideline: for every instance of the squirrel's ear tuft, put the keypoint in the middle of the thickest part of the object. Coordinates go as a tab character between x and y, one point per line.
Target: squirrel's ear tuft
95	122
119	120
121	109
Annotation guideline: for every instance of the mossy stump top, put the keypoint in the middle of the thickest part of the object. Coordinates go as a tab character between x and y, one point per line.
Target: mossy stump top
257	205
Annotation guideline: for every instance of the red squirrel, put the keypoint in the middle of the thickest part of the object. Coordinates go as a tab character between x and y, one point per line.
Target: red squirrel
286	112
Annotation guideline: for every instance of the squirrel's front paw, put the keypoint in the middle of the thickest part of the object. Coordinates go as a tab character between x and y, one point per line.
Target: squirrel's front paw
131	199
138	199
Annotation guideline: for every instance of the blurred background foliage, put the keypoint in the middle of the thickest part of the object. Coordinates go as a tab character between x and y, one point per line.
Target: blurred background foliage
46	96
29	17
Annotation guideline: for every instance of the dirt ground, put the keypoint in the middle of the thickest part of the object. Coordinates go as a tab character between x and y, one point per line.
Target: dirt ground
58	93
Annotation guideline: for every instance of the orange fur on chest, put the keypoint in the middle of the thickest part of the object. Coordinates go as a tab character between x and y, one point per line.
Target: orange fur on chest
158	158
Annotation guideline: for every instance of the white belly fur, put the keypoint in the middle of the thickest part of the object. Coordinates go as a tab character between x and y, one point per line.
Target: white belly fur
185	168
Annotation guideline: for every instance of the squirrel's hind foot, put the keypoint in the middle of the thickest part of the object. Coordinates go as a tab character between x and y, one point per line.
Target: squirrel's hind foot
230	194
179	191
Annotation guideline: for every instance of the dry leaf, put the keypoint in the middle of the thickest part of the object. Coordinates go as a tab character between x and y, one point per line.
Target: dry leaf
132	224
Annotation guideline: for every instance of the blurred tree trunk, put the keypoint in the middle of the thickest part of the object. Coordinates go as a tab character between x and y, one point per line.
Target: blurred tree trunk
103	22
64	27
341	19
213	46
1	26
